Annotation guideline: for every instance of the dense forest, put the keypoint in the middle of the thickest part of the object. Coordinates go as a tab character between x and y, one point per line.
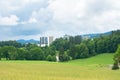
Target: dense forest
74	47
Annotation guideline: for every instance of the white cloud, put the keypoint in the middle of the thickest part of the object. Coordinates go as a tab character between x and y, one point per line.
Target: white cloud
66	10
86	16
43	15
59	17
11	20
32	20
11	6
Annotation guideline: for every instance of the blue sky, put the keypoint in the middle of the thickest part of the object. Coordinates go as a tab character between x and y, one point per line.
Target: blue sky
30	19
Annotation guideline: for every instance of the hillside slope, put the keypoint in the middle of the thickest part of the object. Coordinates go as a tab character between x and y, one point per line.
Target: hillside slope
101	59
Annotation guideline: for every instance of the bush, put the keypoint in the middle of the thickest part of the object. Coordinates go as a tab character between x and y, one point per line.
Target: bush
64	57
115	66
50	58
116	59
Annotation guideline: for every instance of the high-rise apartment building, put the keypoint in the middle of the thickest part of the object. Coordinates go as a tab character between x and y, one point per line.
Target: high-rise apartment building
46	41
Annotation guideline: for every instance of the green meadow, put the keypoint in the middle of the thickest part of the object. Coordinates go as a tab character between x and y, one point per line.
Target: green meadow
94	68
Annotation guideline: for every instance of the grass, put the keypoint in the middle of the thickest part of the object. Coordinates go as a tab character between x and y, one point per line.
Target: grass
102	59
94	68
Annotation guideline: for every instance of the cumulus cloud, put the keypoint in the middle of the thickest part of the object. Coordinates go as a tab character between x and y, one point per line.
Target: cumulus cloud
43	14
86	16
67	10
58	17
11	20
32	20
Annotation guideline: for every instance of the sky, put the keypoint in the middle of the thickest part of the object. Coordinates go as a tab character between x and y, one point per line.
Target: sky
30	19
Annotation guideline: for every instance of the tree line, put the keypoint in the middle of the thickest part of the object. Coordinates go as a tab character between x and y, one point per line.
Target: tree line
27	52
74	47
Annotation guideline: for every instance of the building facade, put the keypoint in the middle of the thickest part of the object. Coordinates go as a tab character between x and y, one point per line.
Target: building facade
46	41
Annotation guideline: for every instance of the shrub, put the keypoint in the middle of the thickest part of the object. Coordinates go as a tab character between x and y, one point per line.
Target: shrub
115	66
50	58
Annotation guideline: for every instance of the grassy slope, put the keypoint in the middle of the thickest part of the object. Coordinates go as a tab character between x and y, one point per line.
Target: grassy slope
85	69
100	59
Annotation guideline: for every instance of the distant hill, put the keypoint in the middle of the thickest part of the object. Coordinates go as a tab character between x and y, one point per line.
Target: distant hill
27	41
86	35
96	35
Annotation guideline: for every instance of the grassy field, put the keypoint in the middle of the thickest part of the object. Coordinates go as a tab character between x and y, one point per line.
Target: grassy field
94	68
